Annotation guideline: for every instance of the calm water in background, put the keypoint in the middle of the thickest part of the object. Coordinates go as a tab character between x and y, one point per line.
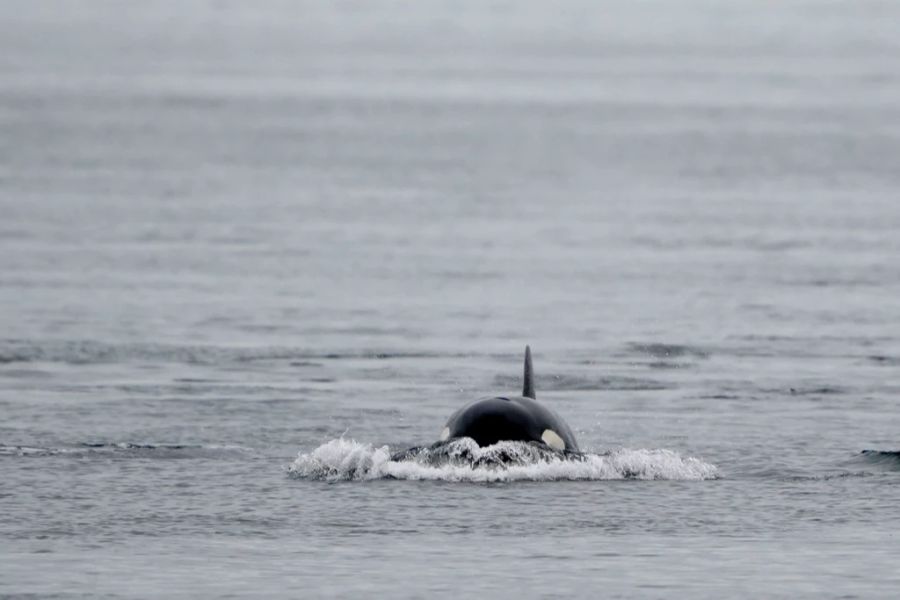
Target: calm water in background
232	235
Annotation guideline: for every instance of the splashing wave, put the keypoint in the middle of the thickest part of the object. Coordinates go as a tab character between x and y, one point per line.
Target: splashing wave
462	460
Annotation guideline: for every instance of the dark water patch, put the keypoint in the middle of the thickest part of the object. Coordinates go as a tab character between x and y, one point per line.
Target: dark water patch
257	328
575	383
879	359
86	352
829	476
816	391
129	446
661	350
91	352
15	234
125	450
375	355
719	242
224	392
264	354
889	459
819	282
13	373
391	412
662	364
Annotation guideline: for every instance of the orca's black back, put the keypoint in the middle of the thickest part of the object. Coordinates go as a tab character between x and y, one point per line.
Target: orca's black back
491	420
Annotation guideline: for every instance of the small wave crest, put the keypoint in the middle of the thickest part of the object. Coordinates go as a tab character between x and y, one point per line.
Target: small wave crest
889	459
463	460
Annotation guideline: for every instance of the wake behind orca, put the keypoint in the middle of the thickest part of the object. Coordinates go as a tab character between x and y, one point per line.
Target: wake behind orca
489	421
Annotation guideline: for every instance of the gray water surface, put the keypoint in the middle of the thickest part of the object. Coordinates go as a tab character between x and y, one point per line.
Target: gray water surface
246	248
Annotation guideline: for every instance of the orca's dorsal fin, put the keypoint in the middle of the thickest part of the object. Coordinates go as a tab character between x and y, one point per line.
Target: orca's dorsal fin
528	386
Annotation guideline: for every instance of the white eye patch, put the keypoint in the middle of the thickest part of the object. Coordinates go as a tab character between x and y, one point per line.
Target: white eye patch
445	434
552	439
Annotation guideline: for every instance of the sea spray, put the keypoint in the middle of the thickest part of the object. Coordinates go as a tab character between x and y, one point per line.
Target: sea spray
348	460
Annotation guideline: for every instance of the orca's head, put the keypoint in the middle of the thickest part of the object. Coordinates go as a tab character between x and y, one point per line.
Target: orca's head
514	418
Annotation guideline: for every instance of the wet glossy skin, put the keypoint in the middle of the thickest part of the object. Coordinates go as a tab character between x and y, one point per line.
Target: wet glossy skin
490	420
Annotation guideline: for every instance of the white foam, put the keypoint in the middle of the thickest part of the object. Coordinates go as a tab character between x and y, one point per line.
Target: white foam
347	459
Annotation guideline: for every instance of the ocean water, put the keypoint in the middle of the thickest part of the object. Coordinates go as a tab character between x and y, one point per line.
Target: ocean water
249	251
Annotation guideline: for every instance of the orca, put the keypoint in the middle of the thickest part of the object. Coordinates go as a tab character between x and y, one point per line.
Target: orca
507	418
